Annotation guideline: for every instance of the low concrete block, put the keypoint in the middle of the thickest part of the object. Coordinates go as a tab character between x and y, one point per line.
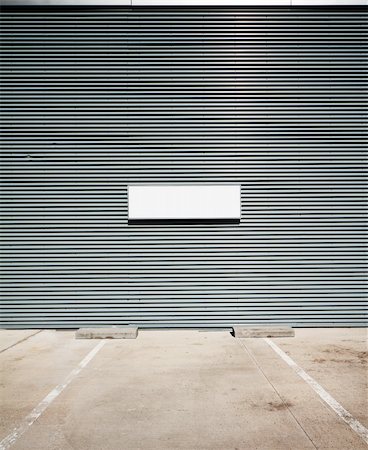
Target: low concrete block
107	333
262	332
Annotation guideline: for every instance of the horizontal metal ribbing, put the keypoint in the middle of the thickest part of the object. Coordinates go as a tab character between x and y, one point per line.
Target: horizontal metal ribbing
95	99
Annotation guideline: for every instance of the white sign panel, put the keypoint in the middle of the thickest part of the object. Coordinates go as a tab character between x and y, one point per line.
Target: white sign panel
184	202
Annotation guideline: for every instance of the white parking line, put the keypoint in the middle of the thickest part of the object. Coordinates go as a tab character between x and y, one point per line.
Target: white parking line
50	397
325	396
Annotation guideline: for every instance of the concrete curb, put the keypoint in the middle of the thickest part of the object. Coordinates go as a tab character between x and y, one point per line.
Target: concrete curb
262	332
107	333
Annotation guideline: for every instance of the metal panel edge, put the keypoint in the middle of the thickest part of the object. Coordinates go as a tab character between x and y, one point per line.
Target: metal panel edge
183	2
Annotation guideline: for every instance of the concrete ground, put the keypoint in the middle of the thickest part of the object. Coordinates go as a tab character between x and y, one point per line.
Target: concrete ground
183	390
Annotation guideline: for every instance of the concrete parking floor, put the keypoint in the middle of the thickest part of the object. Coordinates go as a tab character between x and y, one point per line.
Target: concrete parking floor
183	390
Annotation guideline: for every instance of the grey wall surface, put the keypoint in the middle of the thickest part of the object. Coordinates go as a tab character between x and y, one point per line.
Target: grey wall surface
95	99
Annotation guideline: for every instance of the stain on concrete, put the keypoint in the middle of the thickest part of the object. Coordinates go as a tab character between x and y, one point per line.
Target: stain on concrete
319	360
278	406
363	356
344	355
270	406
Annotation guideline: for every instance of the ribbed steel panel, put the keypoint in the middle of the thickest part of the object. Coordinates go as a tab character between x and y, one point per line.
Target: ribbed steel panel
95	99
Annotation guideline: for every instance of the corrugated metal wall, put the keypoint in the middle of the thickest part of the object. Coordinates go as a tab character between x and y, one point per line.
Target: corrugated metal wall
270	98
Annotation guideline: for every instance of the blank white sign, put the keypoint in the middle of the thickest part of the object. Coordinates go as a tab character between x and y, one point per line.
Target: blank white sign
184	202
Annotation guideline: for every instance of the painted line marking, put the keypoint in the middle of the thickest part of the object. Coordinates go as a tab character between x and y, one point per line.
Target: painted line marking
325	396
256	363
50	397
